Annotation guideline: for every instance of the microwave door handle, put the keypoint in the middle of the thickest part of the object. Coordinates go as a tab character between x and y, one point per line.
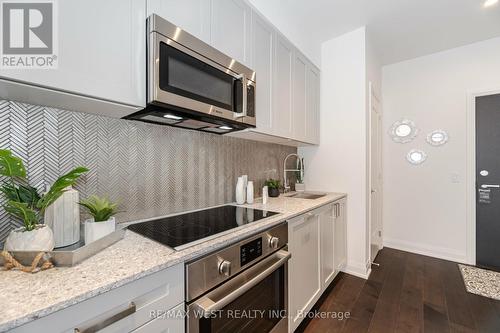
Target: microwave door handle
243	112
207	306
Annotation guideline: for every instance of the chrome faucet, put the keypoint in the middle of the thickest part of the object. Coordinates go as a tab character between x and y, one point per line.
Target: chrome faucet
286	187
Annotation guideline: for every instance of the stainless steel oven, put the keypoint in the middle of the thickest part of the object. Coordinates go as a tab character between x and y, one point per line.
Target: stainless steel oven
242	288
193	85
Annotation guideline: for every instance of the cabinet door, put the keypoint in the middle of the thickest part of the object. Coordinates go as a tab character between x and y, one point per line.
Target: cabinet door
191	15
262	45
173	322
231	34
299	97
101	51
304	273
312	105
282	83
327	231
341	236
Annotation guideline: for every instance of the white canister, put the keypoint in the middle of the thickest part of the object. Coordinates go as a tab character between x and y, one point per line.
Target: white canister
250	192
63	217
240	191
265	194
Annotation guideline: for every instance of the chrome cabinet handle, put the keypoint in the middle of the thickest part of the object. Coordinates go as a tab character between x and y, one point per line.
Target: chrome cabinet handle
111	320
336	210
207	306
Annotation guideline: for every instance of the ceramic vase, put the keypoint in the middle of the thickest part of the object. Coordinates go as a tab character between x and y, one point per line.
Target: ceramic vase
63	217
250	192
274	192
240	191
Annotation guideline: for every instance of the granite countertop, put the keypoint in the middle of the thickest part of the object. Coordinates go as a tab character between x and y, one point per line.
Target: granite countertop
25	297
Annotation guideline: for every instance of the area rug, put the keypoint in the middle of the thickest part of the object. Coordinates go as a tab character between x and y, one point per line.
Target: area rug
481	281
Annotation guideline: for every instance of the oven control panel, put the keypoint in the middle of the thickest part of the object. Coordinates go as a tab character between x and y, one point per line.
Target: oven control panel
207	272
250	251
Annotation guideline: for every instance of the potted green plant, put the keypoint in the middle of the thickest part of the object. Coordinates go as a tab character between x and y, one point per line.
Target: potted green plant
273	187
25	203
102	222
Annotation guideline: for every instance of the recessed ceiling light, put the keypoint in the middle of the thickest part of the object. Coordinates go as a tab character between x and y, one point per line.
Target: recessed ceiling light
171	116
489	3
226	128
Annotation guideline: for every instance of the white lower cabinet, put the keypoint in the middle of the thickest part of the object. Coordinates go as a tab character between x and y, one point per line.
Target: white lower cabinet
173	323
304	266
129	308
317	242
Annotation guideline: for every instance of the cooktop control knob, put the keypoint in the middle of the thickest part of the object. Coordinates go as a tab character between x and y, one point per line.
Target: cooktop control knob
224	267
274	242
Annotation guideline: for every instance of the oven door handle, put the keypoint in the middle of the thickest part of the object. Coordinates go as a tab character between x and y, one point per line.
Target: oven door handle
207	306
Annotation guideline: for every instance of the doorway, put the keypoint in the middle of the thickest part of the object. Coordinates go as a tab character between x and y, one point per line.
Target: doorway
487	179
375	174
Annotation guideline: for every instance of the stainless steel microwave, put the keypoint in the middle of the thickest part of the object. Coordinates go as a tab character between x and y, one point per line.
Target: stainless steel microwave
193	85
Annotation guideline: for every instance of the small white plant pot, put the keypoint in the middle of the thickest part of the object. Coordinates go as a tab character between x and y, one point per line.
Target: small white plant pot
39	239
300	187
96	230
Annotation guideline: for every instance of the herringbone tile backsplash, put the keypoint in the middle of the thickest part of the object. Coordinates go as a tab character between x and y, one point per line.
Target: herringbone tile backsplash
150	170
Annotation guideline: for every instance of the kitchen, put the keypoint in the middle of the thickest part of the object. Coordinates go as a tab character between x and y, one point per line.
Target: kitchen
176	167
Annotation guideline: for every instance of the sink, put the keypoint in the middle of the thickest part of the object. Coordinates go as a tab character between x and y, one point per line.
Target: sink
307	195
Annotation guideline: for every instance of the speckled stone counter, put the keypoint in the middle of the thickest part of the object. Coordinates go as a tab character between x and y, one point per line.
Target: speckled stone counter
25	297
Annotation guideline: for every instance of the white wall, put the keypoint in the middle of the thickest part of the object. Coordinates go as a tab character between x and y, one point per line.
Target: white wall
424	209
339	163
292	30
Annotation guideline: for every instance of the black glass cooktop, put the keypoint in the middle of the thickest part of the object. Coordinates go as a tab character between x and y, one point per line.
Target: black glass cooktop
182	229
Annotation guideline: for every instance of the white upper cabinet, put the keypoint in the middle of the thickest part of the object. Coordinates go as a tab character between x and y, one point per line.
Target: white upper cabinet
282	87
299	97
101	53
231	29
191	15
263	41
312	123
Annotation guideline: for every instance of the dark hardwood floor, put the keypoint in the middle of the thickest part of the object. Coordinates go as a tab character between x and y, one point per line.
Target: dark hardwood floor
406	293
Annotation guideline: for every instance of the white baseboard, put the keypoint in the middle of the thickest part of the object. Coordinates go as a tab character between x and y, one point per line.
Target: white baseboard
357	269
426	250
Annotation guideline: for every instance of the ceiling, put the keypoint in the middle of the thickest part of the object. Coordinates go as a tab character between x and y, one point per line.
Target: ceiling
398	29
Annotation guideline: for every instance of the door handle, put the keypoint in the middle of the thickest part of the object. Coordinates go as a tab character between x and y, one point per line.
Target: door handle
490	186
243	112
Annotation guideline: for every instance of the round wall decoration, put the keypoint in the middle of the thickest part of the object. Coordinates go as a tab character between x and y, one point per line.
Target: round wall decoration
437	138
403	131
416	156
